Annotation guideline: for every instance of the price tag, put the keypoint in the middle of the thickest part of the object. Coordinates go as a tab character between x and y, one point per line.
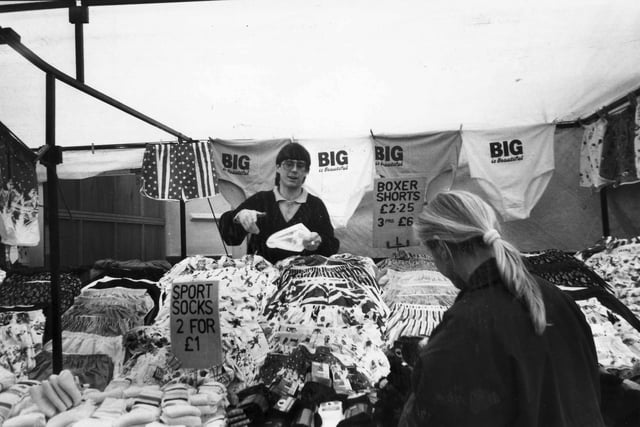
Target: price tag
397	201
195	324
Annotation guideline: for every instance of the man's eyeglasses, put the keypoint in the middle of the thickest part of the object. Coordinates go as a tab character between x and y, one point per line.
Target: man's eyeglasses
289	164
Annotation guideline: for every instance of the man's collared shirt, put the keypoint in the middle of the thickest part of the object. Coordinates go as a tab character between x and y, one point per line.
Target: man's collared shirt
289	207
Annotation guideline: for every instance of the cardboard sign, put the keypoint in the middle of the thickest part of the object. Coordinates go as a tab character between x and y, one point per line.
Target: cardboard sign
396	202
195	324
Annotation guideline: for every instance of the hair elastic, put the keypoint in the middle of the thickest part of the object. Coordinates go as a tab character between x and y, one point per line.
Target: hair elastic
490	236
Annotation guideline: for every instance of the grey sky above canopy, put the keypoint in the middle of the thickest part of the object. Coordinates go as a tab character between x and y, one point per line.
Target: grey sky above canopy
263	69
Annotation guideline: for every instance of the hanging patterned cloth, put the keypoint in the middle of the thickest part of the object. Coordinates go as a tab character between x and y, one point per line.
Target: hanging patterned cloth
618	162
18	192
179	171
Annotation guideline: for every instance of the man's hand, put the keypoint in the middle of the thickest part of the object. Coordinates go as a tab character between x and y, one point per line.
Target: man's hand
312	242
248	219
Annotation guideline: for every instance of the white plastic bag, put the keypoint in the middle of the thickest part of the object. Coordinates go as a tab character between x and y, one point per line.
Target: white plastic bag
290	238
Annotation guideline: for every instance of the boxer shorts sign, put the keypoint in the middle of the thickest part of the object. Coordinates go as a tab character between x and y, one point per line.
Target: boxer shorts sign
195	323
397	201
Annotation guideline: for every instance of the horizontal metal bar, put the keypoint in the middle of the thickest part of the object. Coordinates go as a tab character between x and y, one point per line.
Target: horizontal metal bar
74	215
42	5
62	4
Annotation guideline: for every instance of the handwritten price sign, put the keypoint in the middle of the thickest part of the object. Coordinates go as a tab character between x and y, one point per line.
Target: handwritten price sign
397	201
195	324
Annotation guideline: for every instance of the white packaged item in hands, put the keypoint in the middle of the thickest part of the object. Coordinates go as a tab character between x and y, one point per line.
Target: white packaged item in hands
290	238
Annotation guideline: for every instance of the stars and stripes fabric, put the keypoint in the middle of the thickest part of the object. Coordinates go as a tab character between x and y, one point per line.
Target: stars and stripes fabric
179	171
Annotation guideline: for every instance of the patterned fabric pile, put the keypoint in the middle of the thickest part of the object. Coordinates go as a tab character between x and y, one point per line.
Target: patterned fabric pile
564	270
616	332
98	320
617	342
618	262
24	301
244	285
107	312
20	340
615	328
331	303
417	294
34	290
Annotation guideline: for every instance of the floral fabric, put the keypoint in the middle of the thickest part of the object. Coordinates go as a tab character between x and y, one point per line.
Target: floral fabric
245	284
18	192
330	304
20	340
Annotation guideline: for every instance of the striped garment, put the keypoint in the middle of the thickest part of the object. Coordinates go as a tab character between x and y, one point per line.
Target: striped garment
179	171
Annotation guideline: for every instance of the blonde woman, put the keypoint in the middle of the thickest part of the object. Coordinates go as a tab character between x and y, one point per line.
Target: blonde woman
513	350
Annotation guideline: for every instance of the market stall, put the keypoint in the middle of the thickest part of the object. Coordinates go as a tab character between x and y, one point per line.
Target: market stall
238	340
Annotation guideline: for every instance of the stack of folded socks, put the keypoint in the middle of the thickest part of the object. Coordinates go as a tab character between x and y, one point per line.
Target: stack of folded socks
110	410
57	394
15	399
236	417
115	389
73	415
7	379
31	419
176	409
211	400
144	404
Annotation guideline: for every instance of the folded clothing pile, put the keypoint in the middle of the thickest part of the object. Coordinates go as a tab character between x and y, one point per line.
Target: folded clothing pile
329	303
417	299
56	401
21	332
243	287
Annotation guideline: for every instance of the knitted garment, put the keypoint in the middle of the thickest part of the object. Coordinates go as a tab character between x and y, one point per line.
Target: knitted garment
313	214
485	366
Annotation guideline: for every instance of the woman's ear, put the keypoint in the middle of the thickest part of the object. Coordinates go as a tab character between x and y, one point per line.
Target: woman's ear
441	250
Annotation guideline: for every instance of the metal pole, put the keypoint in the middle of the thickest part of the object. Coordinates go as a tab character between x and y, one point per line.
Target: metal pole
183	229
79	15
79	52
604	212
54	235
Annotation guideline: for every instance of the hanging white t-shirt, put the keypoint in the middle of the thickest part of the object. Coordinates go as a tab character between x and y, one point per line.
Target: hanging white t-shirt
245	167
434	155
342	170
512	165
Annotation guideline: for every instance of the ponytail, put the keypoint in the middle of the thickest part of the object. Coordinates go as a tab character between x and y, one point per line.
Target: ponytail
520	282
458	217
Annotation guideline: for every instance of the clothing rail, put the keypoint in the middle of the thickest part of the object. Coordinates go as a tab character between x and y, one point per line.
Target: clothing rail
109	147
600	113
628	99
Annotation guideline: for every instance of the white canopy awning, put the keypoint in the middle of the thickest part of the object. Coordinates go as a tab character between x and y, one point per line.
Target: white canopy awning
265	69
